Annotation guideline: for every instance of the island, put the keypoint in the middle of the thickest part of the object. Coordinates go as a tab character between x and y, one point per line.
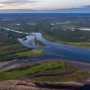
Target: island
39	43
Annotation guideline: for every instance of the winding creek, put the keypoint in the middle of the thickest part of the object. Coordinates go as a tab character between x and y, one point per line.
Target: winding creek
53	50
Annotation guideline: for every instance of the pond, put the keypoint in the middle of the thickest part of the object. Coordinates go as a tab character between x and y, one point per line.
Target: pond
85	29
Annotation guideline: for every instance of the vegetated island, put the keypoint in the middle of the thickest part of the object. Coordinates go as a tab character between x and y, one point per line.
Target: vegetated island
45	75
39	43
11	48
30	42
24	39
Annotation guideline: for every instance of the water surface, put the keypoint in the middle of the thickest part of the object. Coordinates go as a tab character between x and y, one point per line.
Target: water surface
55	50
85	29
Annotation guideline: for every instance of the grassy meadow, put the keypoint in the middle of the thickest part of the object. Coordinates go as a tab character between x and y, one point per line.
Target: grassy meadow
30	53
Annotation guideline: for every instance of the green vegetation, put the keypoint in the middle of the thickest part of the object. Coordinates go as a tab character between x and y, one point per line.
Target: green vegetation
36	69
30	53
11	48
39	43
8	52
52	67
62	78
16	53
62	28
77	43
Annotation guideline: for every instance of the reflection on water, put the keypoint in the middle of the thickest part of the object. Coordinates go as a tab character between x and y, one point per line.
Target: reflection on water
57	50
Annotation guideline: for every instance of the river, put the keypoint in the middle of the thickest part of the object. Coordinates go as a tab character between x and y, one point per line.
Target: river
54	50
57	50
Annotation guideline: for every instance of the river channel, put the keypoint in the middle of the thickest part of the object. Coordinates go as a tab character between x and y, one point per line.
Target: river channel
54	50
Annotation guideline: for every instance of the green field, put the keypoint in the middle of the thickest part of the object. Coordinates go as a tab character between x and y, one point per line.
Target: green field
30	53
52	67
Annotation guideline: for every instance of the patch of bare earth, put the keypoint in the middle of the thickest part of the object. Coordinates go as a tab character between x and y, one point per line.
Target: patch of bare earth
27	85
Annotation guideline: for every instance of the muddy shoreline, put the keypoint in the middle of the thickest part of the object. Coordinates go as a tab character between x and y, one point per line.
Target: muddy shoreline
80	65
29	85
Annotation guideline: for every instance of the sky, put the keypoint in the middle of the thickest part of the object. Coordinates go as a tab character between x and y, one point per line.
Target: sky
44	6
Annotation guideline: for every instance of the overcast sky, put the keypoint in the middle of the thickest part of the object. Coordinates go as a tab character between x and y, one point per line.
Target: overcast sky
56	6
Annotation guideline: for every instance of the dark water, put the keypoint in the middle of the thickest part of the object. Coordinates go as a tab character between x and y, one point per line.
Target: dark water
55	50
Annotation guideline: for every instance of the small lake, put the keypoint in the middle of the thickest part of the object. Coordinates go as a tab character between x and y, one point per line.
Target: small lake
85	29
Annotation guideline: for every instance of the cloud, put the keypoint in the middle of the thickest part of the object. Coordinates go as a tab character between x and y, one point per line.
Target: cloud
46	11
42	4
16	1
82	9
